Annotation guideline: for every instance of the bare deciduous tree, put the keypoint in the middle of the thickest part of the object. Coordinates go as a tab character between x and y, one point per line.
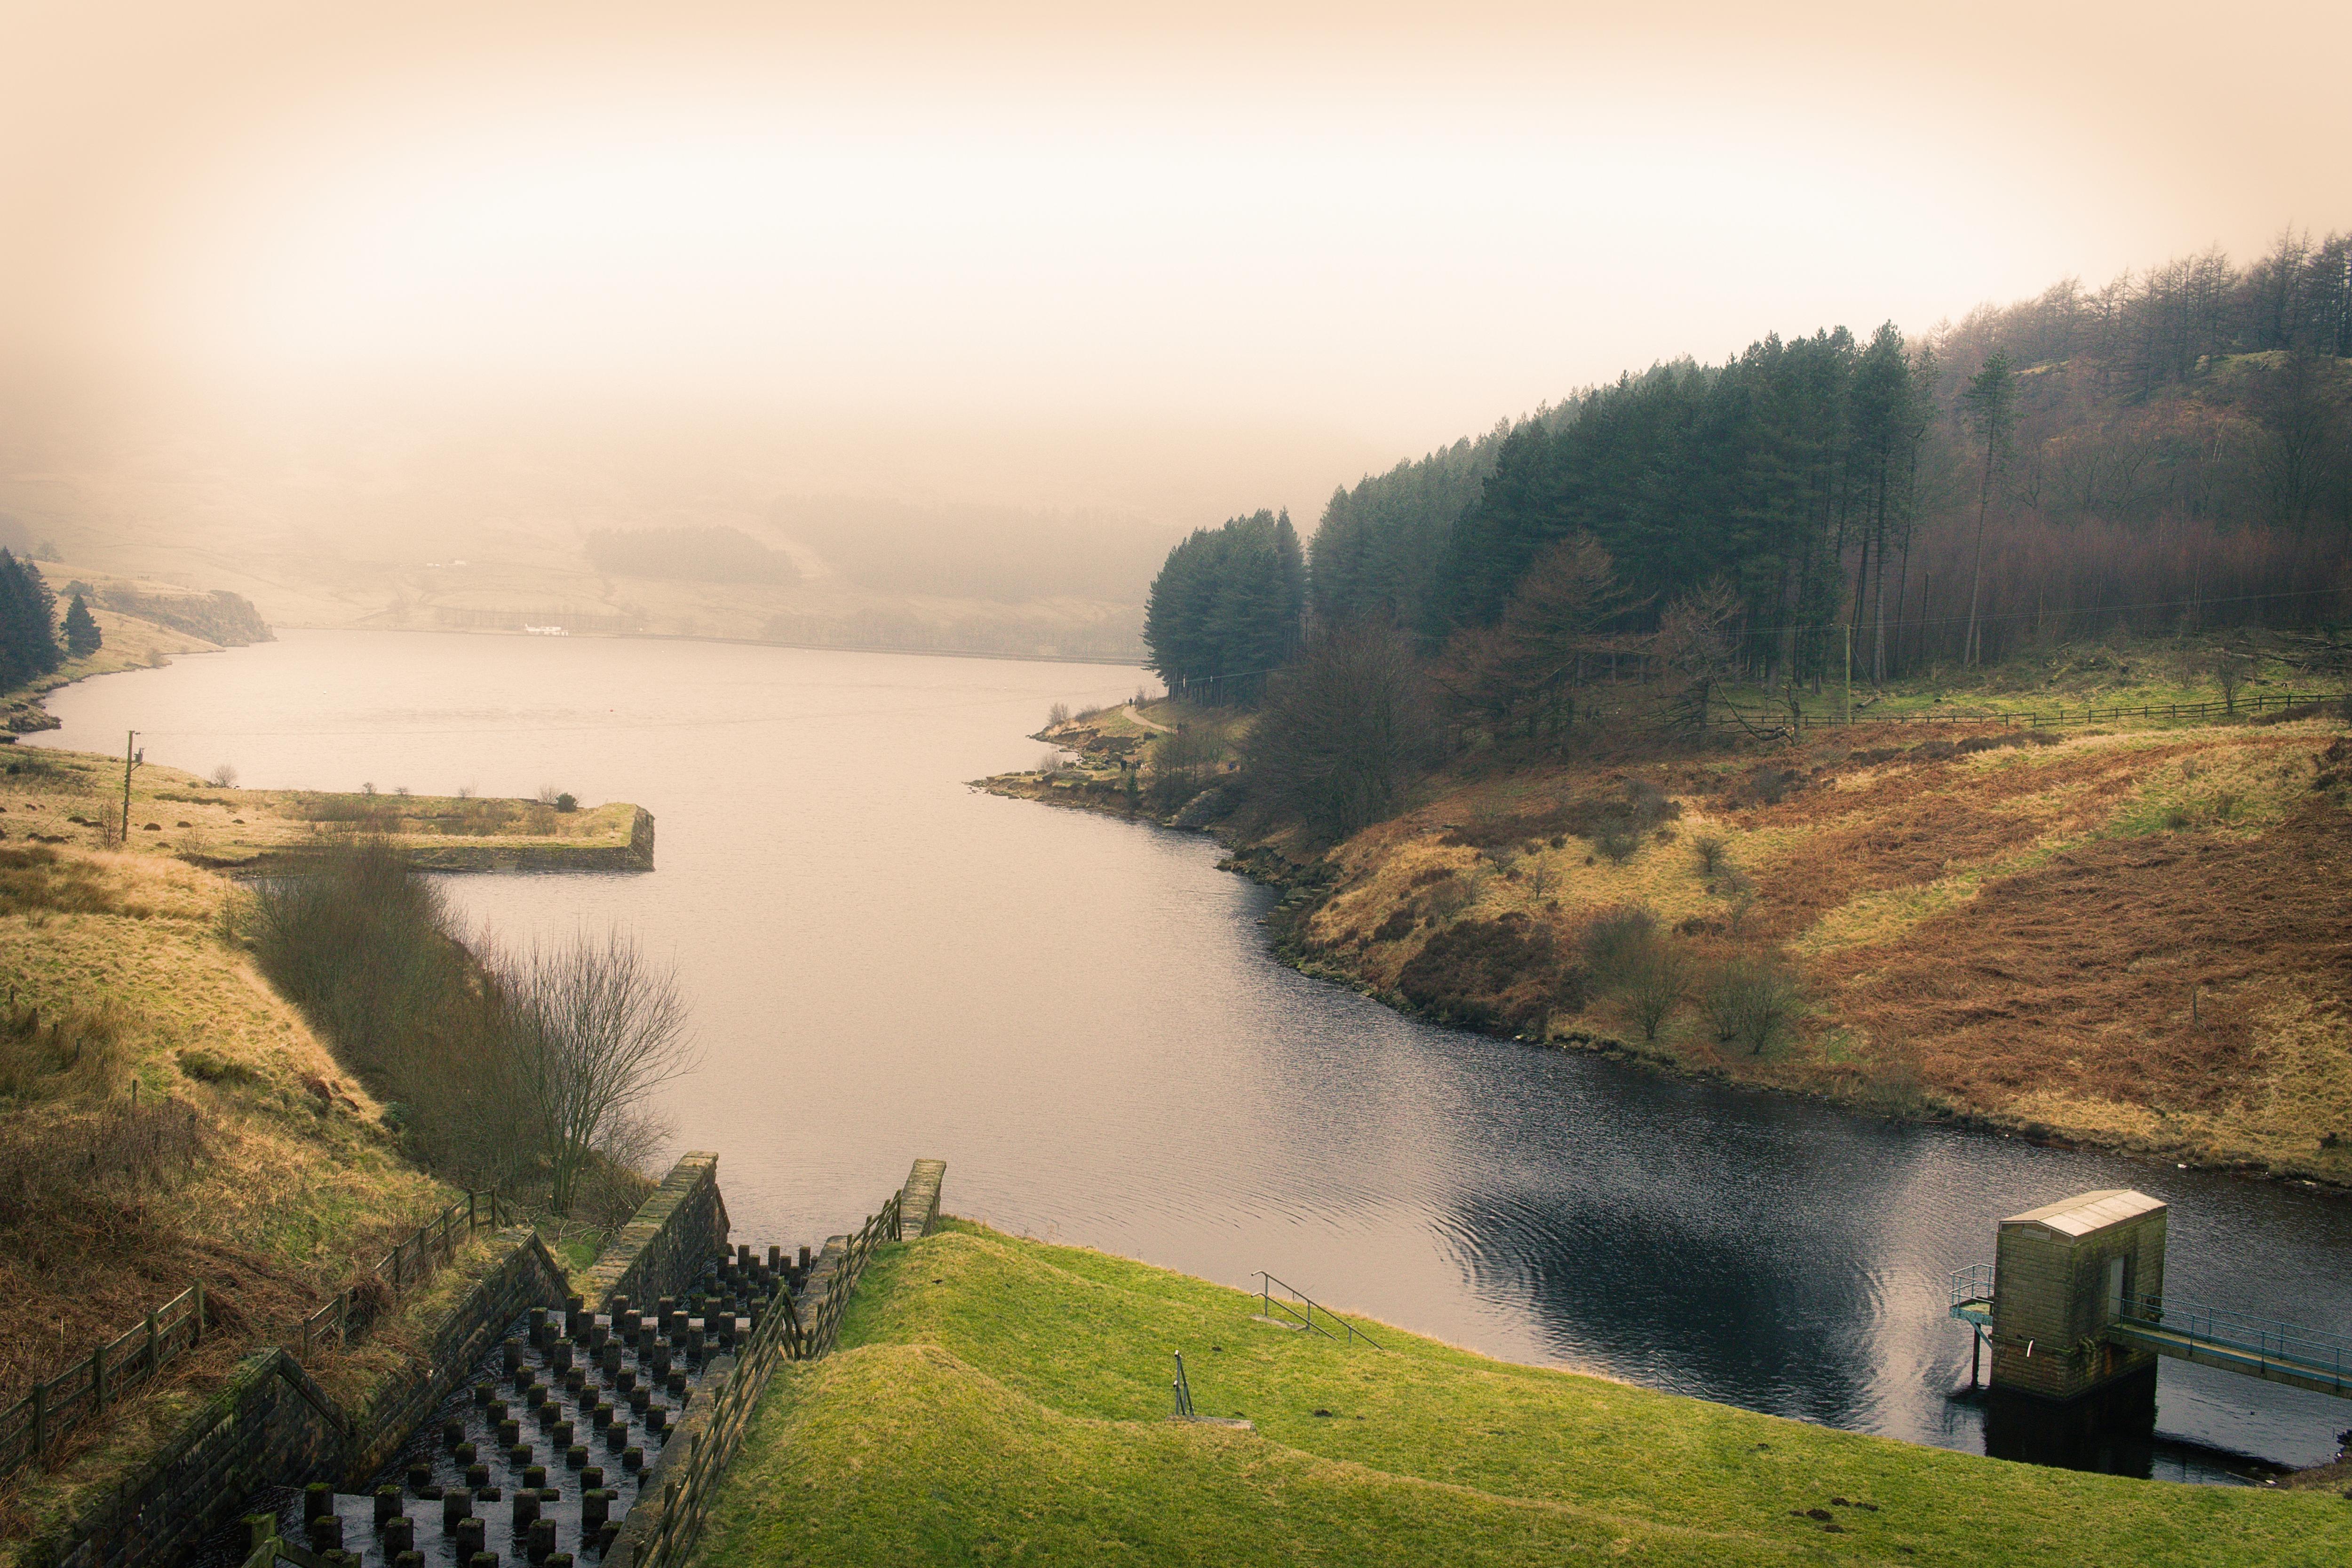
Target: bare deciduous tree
1343	730
1695	640
599	1025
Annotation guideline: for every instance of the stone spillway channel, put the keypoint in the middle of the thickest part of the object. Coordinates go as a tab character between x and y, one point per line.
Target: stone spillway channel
539	1456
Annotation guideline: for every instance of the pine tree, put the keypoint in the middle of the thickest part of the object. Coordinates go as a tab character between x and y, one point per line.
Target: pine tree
28	642
82	636
1991	401
1225	607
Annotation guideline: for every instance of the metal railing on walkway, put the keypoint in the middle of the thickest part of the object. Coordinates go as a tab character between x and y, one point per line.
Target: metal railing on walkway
1972	1294
2238	1341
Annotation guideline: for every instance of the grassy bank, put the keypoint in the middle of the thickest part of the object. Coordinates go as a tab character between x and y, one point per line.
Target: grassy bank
75	799
1002	1400
164	1118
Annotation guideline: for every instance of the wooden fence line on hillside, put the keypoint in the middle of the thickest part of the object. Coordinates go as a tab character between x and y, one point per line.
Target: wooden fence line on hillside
409	1262
781	1335
1745	718
36	1425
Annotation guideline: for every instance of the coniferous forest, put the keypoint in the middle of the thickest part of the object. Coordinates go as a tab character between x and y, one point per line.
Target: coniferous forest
28	638
1226	608
2170	452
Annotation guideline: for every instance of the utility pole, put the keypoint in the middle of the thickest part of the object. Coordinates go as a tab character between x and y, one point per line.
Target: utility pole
130	758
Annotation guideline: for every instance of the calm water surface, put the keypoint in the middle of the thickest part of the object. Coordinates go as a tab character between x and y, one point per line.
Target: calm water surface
1080	1016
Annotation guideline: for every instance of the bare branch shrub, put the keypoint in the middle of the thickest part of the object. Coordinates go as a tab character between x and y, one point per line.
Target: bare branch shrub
1057	715
1711	850
225	776
1342	732
1752	1000
599	1026
1654	984
1617	938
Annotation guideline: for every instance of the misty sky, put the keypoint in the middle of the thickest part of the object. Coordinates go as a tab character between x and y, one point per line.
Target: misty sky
1295	243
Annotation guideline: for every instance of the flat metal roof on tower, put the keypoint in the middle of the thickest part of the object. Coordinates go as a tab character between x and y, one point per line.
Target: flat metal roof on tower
2090	1212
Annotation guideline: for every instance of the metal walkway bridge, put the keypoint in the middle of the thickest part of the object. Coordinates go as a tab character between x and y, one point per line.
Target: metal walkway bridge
2234	1342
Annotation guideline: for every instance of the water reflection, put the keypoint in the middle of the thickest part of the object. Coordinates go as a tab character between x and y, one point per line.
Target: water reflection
1079	1015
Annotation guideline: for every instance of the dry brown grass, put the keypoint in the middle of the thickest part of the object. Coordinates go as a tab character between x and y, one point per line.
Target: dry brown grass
2075	980
52	798
2009	929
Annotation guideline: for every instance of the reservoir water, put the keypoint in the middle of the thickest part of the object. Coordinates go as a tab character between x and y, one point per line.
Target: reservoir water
1080	1016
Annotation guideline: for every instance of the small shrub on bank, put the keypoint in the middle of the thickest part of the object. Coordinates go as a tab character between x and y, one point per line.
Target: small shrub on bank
1057	715
1653	984
1615	939
1501	974
1710	850
1752	1002
1618	840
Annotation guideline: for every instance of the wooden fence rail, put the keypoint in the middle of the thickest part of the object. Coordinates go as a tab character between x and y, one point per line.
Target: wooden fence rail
410	1262
34	1427
782	1334
1748	719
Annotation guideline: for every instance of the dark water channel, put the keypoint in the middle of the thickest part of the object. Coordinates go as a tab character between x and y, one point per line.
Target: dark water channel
1080	1016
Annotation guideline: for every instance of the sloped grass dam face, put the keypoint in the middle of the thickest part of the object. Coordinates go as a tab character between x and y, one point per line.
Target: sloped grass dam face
1081	1017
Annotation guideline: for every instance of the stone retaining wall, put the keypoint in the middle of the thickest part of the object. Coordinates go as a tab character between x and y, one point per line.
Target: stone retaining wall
529	1276
272	1425
679	1228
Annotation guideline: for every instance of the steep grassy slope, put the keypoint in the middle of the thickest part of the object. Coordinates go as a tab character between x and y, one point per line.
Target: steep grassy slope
164	1118
1000	1400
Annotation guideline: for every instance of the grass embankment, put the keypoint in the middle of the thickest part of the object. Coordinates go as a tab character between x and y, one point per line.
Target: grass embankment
248	1158
59	797
1002	1400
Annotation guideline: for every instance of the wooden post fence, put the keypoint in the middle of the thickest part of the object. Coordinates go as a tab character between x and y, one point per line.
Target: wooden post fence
36	1425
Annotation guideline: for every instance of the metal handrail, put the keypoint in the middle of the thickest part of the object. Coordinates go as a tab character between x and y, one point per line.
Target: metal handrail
1974	1283
1306	1319
2306	1350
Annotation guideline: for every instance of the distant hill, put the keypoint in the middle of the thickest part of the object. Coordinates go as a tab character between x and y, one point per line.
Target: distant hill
219	616
981	553
688	555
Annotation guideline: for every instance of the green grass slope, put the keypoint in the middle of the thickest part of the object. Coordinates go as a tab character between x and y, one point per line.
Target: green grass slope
1003	1401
